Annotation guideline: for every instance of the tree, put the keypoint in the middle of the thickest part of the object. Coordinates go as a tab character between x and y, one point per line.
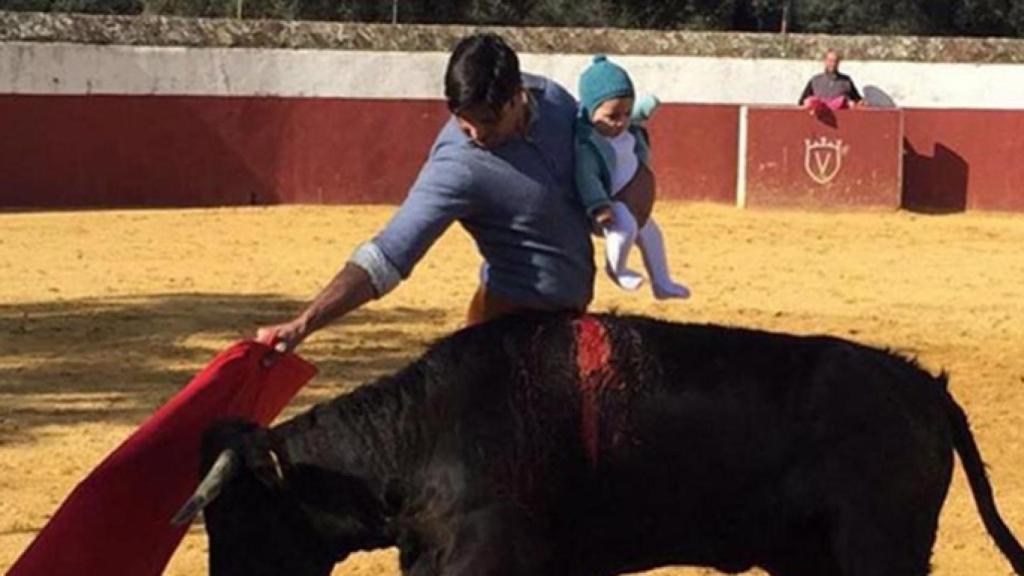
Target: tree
988	17
1017	18
759	15
82	6
675	14
587	13
864	17
918	17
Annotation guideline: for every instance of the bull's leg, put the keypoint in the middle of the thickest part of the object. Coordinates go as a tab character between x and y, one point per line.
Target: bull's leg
884	474
499	541
883	523
494	541
797	569
884	544
810	553
811	562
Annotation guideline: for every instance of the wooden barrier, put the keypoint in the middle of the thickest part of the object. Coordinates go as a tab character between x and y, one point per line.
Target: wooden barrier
844	159
61	151
694	152
109	151
964	160
104	151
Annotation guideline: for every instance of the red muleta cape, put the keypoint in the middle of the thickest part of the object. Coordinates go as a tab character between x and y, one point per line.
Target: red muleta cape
117	521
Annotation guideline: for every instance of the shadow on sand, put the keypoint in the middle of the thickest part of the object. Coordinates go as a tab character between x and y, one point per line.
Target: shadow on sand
115	360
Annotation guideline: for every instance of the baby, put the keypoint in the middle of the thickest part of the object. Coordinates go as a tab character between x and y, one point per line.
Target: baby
611	143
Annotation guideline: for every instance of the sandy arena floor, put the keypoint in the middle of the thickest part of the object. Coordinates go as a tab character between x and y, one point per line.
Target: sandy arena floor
104	315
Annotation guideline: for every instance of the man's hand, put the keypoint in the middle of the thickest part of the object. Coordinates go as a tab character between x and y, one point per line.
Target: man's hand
283	337
350	289
604	217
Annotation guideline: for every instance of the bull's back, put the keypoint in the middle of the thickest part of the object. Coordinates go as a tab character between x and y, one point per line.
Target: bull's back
655	443
730	442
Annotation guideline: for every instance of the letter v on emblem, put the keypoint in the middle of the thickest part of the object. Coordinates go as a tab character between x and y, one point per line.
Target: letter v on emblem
823	159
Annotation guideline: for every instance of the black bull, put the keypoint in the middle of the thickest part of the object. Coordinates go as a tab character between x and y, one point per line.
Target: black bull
597	445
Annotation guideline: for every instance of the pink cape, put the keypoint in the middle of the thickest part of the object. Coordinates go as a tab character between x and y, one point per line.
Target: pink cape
117	521
821	104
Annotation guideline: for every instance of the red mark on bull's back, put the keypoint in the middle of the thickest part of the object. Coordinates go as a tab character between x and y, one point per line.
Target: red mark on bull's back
596	375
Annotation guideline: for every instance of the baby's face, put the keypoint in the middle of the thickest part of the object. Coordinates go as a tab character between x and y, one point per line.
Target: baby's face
612	116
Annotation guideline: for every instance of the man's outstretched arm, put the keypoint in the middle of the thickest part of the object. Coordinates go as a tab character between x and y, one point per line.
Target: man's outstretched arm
348	290
376	267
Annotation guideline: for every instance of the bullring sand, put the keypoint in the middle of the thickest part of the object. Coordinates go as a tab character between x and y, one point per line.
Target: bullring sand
104	315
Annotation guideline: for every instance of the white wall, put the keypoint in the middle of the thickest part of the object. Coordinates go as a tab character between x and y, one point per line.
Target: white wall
776	81
31	68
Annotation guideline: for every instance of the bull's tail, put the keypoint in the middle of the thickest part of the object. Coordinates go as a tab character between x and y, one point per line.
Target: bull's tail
963	441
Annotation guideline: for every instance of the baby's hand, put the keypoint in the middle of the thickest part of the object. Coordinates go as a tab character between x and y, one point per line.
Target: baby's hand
604	217
644	107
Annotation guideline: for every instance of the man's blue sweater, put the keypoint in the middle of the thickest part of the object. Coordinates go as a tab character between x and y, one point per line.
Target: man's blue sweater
517	202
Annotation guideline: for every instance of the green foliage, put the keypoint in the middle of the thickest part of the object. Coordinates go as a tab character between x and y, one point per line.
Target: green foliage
911	17
571	13
687	14
206	8
900	16
82	6
989	17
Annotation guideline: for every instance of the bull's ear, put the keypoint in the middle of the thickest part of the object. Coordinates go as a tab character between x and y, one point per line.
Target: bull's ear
224	435
260	458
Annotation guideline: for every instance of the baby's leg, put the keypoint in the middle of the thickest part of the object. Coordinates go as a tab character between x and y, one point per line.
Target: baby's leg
618	241
653	248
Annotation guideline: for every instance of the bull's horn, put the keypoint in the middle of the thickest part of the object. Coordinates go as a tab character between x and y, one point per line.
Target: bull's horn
224	468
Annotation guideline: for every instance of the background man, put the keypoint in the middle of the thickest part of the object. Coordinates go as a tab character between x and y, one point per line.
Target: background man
831	89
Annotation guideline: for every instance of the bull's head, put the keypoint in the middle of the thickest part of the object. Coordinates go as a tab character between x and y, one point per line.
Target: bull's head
260	522
239	447
224	469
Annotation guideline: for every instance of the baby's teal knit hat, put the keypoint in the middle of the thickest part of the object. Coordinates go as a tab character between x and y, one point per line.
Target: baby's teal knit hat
602	81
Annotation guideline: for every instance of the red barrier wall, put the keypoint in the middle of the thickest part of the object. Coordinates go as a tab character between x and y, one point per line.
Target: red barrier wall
77	151
101	151
964	159
199	151
695	150
844	159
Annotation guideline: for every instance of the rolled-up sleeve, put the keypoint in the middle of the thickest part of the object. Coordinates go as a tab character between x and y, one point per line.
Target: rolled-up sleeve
440	195
383	274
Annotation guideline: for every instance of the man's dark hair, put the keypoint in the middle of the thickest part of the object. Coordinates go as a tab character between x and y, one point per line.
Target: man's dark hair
482	70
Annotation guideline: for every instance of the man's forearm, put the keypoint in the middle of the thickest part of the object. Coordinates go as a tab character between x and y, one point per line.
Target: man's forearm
350	289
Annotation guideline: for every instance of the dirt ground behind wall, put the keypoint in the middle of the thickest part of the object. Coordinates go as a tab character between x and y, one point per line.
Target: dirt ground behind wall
104	315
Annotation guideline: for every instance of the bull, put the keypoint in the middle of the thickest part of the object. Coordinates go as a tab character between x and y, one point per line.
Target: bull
600	445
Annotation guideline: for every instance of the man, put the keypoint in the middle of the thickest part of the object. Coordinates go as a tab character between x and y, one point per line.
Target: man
503	168
831	89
